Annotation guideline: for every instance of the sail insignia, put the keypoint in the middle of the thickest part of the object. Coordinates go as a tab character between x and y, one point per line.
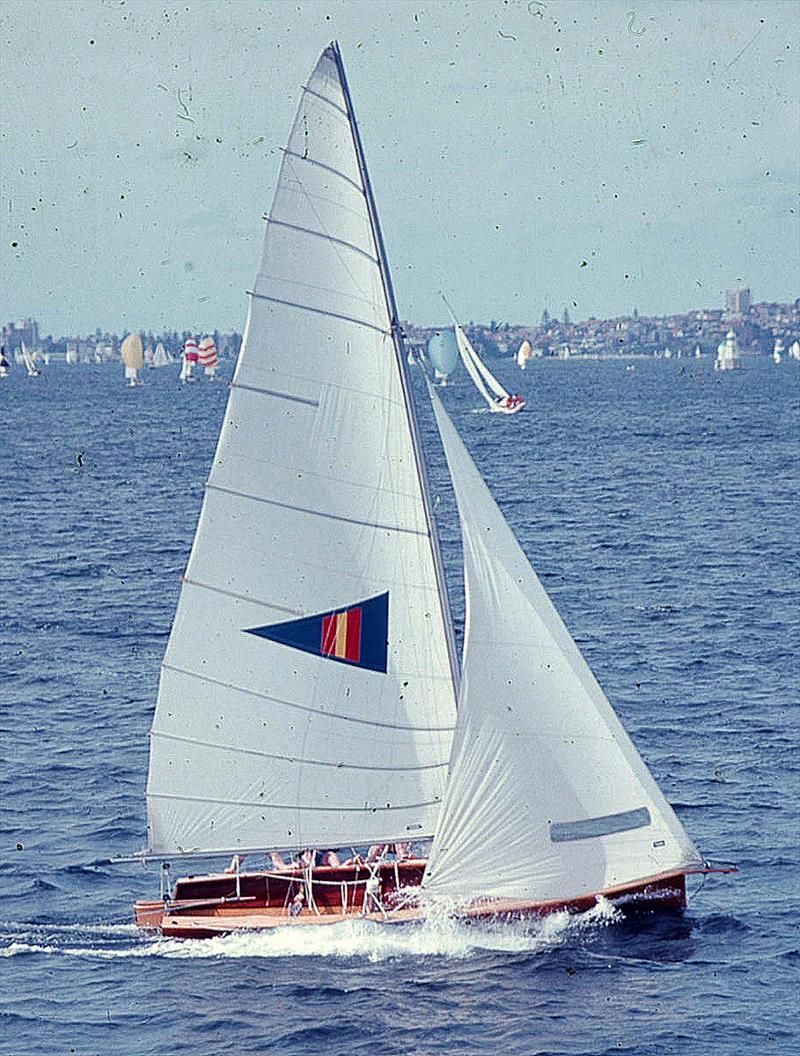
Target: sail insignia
357	635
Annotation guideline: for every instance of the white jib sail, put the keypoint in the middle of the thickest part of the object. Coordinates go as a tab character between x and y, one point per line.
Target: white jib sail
547	797
314	505
477	369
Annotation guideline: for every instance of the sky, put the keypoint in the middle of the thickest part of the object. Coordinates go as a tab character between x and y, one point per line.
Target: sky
524	154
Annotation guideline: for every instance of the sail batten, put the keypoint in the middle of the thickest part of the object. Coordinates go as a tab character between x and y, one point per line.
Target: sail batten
316	500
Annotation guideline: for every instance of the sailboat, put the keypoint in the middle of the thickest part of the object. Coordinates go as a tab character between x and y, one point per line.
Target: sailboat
794	350
131	355
189	361
320	717
524	355
207	355
5	366
161	358
442	355
777	351
71	355
29	361
497	399
728	357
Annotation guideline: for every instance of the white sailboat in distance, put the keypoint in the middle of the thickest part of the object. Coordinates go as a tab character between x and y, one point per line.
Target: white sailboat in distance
317	730
29	361
524	354
497	398
161	358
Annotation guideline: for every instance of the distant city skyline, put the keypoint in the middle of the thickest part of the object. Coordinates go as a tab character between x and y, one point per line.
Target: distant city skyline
524	155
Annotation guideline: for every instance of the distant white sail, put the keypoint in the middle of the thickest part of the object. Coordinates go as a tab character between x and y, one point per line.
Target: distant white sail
160	357
728	357
794	350
132	356
547	797
28	360
71	356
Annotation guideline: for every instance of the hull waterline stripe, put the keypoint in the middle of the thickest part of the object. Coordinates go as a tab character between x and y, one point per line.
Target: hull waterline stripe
291	806
323	235
325	99
240	597
292	759
317	513
327	168
272	392
321	311
304	707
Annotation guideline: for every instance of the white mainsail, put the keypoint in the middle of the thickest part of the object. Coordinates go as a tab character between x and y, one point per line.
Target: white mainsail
477	369
161	357
29	361
547	796
315	507
190	358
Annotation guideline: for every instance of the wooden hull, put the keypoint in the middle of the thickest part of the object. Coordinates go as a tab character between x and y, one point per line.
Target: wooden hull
206	917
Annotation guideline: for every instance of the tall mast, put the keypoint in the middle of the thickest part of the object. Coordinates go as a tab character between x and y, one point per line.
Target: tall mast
397	339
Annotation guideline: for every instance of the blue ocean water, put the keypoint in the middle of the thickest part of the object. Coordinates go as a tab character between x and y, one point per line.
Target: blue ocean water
660	508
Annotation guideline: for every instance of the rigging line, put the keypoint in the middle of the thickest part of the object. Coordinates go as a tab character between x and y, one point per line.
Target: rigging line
293	759
320	234
272	392
327	168
317	513
320	311
291	806
240	597
367	301
305	707
325	99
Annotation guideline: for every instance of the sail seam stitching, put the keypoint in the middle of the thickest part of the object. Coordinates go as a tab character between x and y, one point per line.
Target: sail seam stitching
320	311
272	392
322	165
323	235
291	806
317	513
325	99
291	758
304	707
240	597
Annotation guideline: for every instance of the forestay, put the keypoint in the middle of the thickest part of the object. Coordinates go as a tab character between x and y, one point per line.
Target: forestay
314	510
547	796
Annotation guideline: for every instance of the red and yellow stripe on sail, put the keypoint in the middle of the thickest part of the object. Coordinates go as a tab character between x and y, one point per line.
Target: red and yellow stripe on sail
341	635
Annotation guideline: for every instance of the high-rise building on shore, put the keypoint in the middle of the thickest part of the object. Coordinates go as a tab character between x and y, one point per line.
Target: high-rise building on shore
737	302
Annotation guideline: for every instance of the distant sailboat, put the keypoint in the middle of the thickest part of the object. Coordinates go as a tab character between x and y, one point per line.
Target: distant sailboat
728	357
497	398
148	356
30	363
777	351
794	350
524	355
71	357
190	359
131	355
443	355
207	356
5	366
161	358
697	352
